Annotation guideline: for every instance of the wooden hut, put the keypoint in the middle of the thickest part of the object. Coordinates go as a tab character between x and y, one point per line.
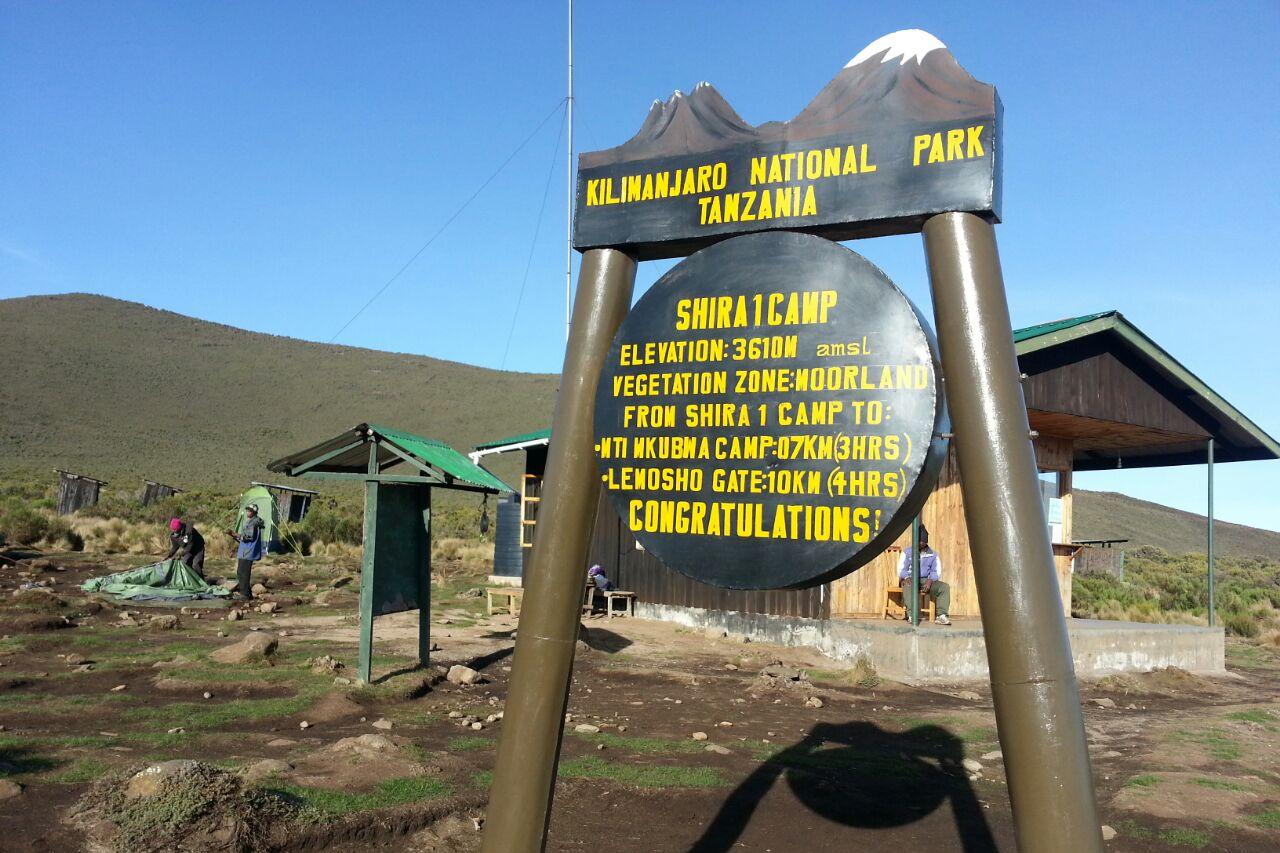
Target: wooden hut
1099	393
292	502
76	491
153	491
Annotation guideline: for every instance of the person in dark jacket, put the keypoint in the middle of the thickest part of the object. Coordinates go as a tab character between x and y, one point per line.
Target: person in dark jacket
186	543
249	550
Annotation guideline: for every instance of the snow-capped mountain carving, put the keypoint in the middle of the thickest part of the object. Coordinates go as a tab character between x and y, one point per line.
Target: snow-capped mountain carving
699	121
906	76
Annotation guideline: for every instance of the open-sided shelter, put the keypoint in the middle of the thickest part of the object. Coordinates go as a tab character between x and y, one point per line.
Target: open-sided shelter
1100	394
399	470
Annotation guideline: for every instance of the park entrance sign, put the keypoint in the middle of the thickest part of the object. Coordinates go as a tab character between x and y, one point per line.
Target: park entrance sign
900	134
769	413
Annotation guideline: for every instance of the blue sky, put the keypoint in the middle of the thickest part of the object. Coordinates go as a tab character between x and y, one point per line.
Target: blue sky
270	166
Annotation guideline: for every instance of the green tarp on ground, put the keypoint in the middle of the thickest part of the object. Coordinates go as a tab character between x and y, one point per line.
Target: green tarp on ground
168	580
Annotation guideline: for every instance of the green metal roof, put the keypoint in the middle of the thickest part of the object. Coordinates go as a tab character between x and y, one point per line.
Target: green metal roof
441	456
1036	331
347	455
523	438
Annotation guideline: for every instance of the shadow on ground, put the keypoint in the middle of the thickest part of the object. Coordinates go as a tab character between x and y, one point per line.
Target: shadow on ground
861	775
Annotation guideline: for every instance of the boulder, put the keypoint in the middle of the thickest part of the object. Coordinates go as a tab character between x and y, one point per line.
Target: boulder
786	673
718	749
382	724
586	729
167	622
699	735
459	674
254	647
260	589
364	744
265	769
234	616
268	607
1104	702
325	665
1108	834
148	782
971	765
9	789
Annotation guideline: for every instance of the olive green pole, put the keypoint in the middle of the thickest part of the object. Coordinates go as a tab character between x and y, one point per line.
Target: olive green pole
532	725
915	570
1033	683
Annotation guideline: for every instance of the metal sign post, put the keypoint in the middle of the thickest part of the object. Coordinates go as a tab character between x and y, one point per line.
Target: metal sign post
1033	680
524	779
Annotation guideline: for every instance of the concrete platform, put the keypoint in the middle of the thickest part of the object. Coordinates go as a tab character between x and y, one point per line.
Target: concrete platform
934	653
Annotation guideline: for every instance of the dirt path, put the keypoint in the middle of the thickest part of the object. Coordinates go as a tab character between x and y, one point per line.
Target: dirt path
819	763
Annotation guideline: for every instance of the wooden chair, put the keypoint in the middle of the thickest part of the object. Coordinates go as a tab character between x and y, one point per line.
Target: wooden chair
895	606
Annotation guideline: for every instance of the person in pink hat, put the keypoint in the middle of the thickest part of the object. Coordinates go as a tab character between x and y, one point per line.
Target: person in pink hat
187	544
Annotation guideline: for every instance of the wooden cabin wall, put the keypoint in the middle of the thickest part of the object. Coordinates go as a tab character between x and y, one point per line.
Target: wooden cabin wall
76	493
153	492
630	568
862	593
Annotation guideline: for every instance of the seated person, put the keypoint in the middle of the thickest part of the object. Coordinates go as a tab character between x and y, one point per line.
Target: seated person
597	576
930	578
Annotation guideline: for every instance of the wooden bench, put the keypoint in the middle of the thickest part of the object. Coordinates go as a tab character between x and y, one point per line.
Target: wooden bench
895	606
589	601
618	595
513	595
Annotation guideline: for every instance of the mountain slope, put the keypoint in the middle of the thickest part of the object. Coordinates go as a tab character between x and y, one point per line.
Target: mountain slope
124	392
1108	515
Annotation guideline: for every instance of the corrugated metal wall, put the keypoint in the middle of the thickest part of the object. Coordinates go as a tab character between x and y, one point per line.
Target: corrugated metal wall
630	568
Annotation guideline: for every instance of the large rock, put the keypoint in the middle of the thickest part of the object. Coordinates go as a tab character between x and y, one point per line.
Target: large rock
786	673
265	769
149	781
459	674
253	648
167	622
365	744
9	789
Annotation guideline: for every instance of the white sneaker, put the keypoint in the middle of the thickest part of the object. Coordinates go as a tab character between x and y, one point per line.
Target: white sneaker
942	619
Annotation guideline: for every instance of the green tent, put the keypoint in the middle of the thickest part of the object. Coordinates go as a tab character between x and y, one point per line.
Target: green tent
168	580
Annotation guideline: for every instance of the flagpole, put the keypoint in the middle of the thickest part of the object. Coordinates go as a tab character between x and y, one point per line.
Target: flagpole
569	187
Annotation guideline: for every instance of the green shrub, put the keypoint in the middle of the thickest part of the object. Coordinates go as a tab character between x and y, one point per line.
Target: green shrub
23	525
332	522
1240	624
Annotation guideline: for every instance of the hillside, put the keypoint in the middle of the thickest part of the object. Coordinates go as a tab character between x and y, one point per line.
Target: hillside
124	392
1108	515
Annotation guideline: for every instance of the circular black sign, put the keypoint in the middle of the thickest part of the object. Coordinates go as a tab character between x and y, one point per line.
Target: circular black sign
769	415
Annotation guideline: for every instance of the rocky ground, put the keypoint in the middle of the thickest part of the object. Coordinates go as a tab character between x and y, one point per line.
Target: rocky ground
251	734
